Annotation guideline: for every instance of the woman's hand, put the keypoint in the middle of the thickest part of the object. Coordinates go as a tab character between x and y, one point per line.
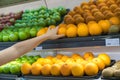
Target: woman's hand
52	33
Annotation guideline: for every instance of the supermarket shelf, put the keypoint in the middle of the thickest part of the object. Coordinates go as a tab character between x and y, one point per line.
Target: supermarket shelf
70	42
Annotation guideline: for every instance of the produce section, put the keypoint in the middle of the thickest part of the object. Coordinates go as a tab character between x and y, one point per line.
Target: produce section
89	24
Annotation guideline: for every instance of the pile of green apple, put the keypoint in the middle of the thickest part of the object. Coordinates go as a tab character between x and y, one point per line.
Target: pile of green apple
13	67
41	17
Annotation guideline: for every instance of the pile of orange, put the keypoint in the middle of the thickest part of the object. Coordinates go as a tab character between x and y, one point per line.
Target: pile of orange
76	65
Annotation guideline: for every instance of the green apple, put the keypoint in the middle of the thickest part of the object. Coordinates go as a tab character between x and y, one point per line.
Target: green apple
6	68
56	18
5	37
53	22
15	69
1	69
1	37
62	10
22	35
13	37
33	32
42	23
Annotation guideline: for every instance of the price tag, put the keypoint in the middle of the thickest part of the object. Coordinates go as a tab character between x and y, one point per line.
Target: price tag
38	48
112	42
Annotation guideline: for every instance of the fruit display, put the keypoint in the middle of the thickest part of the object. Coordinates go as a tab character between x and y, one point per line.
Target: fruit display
41	17
112	72
62	65
14	67
31	22
93	18
9	19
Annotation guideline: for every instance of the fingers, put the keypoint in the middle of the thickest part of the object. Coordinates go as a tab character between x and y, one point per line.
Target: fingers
59	36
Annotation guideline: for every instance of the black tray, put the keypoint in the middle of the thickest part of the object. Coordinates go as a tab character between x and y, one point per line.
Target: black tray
110	78
62	77
66	78
8	76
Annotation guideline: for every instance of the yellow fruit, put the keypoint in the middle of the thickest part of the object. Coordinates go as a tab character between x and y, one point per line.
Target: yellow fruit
42	31
70	25
114	20
26	68
62	30
55	70
64	58
84	62
65	69
47	61
99	63
71	31
45	70
40	60
62	25
82	30
94	29
77	70
36	68
59	56
91	22
106	58
49	57
91	69
52	26
88	55
105	25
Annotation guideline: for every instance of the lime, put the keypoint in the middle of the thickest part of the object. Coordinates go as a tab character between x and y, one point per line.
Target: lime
1	37
56	18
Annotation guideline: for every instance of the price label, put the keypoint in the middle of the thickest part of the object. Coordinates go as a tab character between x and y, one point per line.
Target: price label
38	48
112	42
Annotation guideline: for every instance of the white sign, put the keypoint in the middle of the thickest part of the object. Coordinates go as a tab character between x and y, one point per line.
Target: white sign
38	48
112	42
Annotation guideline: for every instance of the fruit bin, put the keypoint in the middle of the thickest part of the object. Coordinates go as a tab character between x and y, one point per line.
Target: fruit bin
65	78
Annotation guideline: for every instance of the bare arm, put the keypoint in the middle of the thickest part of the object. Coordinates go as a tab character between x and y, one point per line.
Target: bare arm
23	47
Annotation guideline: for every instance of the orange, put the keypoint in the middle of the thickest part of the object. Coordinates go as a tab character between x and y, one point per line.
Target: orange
42	31
55	70
62	30
47	61
65	69
49	57
64	58
88	55
71	31
82	30
52	26
84	62
62	25
40	60
45	70
105	25
91	22
26	68
91	69
36	68
99	63
94	29
114	20
77	70
106	58
59	56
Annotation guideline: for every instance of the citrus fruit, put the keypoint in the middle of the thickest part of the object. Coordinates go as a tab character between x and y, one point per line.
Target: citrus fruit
26	68
114	20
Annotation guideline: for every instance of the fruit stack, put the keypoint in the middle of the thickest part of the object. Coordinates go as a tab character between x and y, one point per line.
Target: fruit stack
13	67
63	65
41	17
113	71
9	19
93	11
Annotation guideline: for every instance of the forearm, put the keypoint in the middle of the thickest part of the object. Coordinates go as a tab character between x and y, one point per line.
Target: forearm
20	48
